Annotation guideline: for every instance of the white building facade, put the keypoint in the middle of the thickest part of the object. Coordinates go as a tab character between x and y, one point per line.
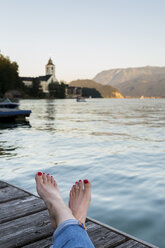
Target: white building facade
44	80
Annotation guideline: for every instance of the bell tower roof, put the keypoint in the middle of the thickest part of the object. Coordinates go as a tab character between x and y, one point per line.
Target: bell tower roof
50	62
50	69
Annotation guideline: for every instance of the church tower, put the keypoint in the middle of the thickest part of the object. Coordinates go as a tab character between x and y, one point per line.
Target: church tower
50	69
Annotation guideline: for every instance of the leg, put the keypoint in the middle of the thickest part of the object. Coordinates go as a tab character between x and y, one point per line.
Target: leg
48	190
68	233
80	199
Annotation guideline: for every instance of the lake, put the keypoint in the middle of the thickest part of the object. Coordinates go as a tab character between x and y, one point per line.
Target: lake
118	144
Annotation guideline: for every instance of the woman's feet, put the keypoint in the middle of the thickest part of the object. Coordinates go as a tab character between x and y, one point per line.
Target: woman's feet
49	192
80	197
79	201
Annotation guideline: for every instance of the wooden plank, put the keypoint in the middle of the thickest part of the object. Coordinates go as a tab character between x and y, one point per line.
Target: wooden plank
104	238
90	226
25	230
11	193
25	223
128	236
44	243
3	184
131	244
20	207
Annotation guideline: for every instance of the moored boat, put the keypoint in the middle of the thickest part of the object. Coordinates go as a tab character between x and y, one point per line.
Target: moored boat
80	99
9	111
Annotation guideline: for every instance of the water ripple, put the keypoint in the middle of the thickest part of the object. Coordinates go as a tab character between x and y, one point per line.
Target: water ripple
117	143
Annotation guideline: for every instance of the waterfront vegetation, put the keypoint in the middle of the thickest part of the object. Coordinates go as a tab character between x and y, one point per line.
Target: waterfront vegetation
9	78
12	86
11	82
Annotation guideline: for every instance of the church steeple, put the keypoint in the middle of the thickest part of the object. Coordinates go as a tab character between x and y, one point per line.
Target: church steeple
50	68
50	62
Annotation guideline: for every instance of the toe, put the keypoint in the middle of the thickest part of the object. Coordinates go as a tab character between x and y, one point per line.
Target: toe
87	186
55	184
44	177
48	178
52	179
80	184
76	188
76	185
73	190
38	178
70	194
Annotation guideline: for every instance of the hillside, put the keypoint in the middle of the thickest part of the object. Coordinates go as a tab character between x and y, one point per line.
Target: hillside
105	91
147	81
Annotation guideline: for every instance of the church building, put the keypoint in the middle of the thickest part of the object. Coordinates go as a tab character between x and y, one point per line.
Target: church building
44	80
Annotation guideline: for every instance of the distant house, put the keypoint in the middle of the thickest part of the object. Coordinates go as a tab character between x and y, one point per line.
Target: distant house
13	94
73	92
44	80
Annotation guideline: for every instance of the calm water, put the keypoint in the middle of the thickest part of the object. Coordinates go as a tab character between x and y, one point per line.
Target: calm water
118	144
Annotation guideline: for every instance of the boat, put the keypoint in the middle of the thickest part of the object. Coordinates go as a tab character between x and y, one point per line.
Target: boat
80	99
9	111
7	104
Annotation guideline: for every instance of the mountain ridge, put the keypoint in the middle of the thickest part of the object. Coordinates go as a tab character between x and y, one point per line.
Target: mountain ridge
106	91
135	81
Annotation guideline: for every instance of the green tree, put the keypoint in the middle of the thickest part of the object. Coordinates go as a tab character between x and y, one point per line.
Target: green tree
87	92
62	90
52	87
35	89
57	90
9	78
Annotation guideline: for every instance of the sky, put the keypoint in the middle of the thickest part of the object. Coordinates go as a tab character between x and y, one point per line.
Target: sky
83	37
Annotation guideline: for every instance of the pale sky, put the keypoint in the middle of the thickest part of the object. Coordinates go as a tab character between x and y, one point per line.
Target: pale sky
83	37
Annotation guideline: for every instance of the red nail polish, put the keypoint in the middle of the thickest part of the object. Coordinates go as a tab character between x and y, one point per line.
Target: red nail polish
48	174
86	181
80	181
51	176
39	173
76	182
43	173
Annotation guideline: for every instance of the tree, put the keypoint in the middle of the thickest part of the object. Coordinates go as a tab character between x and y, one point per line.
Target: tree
35	89
87	92
57	90
52	89
9	78
62	90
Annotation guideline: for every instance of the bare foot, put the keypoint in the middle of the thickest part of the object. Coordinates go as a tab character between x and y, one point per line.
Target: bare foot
48	190
79	200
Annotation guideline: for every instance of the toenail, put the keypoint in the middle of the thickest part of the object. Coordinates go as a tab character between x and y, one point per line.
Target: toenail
39	173
48	174
86	181
43	173
76	182
80	181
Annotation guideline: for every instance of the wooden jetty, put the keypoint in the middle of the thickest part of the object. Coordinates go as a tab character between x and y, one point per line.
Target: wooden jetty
24	222
14	115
